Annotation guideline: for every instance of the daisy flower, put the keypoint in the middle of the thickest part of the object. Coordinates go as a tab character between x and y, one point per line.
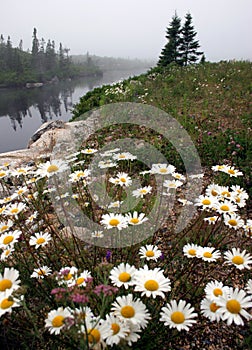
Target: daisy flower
51	168
40	239
82	312
15	209
211	219
115	204
55	320
184	201
96	330
172	184
88	151
178	315
233	221
248	227
106	164
121	179
190	250
150	252
133	334
3	173
210	309
214	289
131	309
110	152
20	191
4	226
238	258
81	279
222	167
239	191
2	209
31	218
9	238
238	199
208	254
114	221
213	190
97	234
124	156
7	303
196	176
136	218
21	171
9	280
6	253
151	282
142	191
67	274
249	286
225	207
119	327
79	175
123	275
162	169
41	272
8	199
178	176
224	192
232	172
232	306
206	202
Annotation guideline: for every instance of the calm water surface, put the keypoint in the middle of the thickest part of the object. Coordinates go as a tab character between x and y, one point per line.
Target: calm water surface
22	111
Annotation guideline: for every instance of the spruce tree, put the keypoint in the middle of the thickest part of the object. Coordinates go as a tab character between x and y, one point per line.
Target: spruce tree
188	45
170	52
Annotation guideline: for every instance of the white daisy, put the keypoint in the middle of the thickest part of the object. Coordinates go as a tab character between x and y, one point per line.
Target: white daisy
211	219
232	306
162	169
81	279
172	184
119	327
196	176
49	169
133	334
96	331
131	309
88	151
6	253
79	175
150	252
233	221
7	303
124	156
185	201
31	218
151	283
232	172
222	167
178	315
115	204
67	275
114	221
21	190
122	179
15	209
9	280
123	275
226	207
5	226
239	191
178	176
142	191
190	250
21	171
214	289
249	286
40	239
107	164
41	272
206	202
97	234
3	173
208	254
55	320
248	227
9	238
238	258
213	190
135	218
210	310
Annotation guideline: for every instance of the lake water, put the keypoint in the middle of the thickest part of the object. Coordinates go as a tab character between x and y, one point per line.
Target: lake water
23	111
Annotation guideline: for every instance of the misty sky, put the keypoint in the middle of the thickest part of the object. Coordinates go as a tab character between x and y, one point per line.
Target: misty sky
129	28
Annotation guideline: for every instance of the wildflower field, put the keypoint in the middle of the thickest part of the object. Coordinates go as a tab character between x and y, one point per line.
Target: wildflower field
63	286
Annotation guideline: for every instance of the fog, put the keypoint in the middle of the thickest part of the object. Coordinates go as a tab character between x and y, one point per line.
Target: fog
130	29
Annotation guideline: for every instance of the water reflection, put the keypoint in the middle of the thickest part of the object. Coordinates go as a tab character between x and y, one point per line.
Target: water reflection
47	100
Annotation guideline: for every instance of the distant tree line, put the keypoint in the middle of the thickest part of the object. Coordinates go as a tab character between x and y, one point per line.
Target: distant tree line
181	47
43	63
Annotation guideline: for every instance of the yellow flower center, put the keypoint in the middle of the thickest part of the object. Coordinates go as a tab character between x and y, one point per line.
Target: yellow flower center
127	311
226	193
41	272
2	210
151	285
94	336
6	303
212	219
20	191
115	328
143	191
238	260
217	292
80	280
122	156
21	171
134	220
5	284
124	277
3	173
213	307
163	170
192	252
224	208
214	193
68	277
4	227
206	202
233	306
207	255
40	240
7	199
232	222
80	174
231	171
8	240
149	253
114	222
52	168
177	317
14	211
122	179
58	321
238	200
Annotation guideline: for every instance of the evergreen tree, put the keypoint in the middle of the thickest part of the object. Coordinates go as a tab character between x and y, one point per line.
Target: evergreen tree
170	52
189	46
35	49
